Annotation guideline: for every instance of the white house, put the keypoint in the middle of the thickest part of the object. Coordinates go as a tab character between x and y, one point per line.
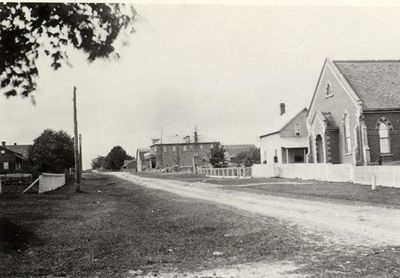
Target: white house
286	138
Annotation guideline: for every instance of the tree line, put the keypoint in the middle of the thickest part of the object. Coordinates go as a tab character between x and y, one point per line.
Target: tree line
114	160
53	152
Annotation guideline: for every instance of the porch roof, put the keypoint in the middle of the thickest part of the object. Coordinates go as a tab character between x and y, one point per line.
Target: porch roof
293	142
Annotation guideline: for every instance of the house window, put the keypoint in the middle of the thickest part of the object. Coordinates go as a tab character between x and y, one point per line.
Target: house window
384	141
297	129
5	166
185	148
347	136
211	146
3	151
165	148
173	148
328	90
201	147
155	149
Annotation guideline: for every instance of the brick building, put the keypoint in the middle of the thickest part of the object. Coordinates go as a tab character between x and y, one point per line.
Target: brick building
14	158
354	115
183	151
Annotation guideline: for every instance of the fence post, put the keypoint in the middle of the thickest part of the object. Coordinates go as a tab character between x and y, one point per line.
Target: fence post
373	182
353	173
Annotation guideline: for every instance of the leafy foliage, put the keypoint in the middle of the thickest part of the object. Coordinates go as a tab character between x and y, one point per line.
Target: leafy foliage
115	158
98	162
28	28
249	157
217	158
52	152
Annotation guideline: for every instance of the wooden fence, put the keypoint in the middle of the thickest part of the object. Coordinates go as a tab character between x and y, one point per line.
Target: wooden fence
231	172
49	182
380	175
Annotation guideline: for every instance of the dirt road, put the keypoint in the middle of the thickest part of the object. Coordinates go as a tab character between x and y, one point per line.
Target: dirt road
337	223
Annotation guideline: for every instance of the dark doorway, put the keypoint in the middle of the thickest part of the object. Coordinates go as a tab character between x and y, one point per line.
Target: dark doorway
319	149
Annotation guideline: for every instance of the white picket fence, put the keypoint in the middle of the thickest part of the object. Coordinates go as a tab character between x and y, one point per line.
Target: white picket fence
382	175
231	172
49	182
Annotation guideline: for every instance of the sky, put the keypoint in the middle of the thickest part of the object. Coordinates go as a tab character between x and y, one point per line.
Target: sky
223	68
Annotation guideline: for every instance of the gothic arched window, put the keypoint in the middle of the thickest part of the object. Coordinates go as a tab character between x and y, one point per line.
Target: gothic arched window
384	139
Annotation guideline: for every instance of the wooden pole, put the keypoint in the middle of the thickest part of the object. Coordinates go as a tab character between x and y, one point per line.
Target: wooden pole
80	157
76	151
161	150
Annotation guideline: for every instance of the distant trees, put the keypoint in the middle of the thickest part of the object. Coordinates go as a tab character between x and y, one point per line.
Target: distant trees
248	157
98	162
114	160
52	151
217	158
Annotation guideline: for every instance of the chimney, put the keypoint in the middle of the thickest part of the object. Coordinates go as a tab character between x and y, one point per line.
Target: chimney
283	109
15	144
195	135
3	143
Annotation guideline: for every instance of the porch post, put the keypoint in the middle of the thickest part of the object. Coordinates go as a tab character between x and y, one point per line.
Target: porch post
287	155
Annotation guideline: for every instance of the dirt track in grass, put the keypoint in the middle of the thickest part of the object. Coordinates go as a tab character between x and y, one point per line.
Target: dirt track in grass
118	229
337	223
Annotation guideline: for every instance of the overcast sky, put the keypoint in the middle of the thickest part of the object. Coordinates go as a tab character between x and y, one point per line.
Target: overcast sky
224	68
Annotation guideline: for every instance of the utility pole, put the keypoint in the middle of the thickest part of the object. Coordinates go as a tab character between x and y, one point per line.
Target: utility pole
196	151
80	156
76	150
161	150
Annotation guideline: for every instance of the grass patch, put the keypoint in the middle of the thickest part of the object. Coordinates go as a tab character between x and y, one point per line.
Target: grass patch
118	226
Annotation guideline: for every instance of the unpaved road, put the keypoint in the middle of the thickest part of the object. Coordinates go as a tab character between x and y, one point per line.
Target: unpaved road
337	223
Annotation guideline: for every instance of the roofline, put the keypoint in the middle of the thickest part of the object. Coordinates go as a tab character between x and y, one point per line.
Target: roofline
316	87
294	117
352	94
342	78
368	61
190	143
20	155
248	145
291	119
271	133
386	110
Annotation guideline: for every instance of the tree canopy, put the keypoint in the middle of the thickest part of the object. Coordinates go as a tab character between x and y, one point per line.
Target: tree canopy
217	158
98	162
52	152
248	157
27	30
115	158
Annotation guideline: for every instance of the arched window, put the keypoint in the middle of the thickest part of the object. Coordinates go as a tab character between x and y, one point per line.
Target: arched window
347	132
384	140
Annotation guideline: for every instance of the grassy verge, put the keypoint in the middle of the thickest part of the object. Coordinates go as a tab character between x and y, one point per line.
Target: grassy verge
110	230
319	190
343	192
116	226
172	176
